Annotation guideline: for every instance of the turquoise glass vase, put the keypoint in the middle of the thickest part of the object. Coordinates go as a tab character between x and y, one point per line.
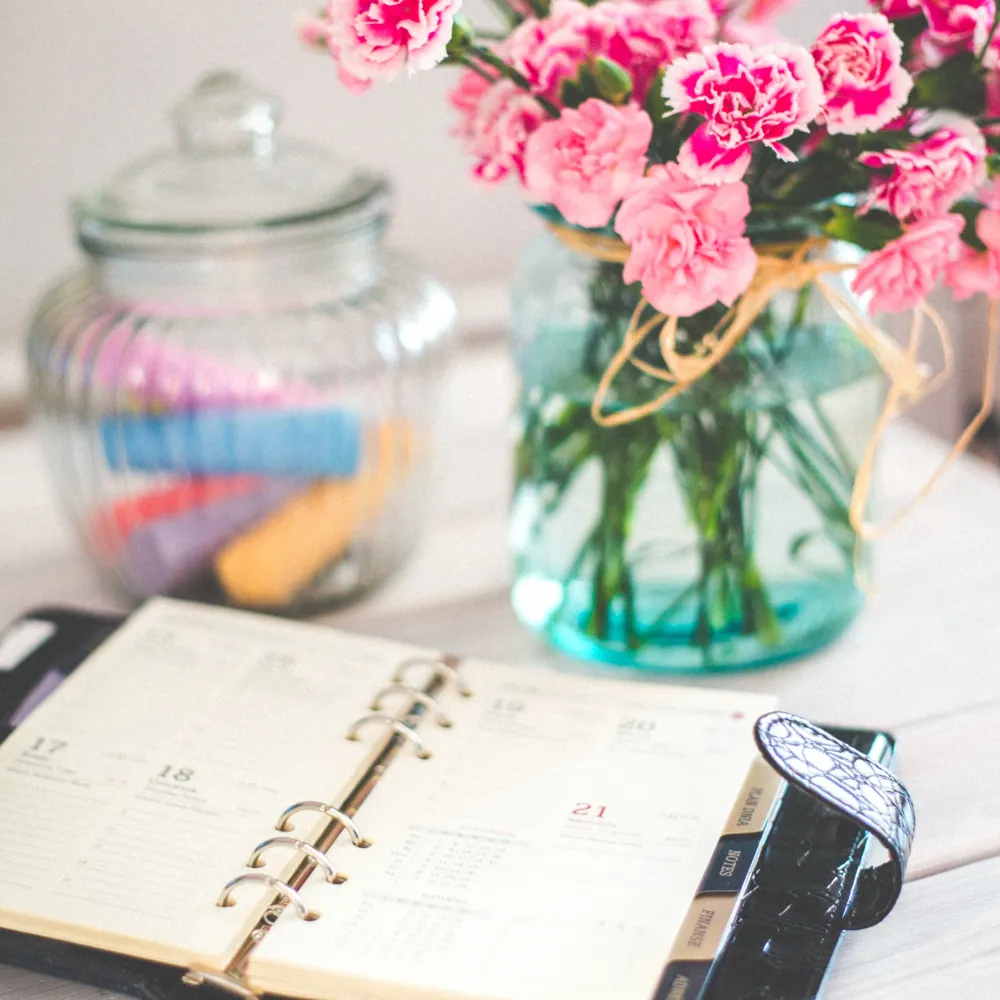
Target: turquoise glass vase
713	534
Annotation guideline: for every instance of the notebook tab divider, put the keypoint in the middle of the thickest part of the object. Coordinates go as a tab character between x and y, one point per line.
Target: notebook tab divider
709	920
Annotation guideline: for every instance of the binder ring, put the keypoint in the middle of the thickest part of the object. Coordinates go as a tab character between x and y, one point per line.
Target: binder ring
317	856
441	667
398	725
322	807
417	695
275	883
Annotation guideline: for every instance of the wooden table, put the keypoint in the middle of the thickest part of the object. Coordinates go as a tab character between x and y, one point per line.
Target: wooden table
924	661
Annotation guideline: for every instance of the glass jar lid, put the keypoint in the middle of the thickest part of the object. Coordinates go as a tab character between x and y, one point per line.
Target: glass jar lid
229	178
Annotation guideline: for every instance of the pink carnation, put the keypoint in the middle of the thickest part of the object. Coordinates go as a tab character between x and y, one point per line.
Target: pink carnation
498	131
465	97
954	22
548	51
930	176
903	272
586	160
897	9
642	37
860	63
746	97
375	39
975	273
757	10
764	10
687	240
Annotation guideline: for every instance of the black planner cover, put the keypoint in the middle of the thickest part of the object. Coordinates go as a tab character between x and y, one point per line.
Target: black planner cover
792	914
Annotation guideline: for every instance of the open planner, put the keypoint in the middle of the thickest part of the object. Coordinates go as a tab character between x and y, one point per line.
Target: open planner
220	803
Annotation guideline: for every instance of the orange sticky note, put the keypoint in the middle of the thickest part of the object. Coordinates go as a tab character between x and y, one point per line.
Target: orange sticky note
270	564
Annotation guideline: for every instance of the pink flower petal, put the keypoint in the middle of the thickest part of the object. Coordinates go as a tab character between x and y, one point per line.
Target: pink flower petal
688	247
706	160
585	161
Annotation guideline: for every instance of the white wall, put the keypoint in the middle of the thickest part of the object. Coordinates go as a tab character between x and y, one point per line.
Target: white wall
85	85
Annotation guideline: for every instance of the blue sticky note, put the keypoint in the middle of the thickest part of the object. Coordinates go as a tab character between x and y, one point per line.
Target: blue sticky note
303	442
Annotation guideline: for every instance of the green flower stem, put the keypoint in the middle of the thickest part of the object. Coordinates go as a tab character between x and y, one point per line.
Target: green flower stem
989	38
469	64
491	59
716	459
626	454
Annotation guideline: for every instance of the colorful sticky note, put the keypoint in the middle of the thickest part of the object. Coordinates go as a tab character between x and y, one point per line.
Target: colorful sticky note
270	564
162	554
303	443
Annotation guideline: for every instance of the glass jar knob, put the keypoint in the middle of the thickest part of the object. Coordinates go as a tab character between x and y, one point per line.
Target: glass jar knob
225	114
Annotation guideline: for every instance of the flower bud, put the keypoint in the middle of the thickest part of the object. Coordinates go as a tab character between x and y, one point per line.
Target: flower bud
613	82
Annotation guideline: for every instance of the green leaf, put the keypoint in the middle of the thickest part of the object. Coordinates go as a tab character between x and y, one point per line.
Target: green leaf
571	94
969	210
956	84
909	30
574	92
656	103
870	232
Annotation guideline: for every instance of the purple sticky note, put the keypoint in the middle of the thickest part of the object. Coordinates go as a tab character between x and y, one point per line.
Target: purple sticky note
165	553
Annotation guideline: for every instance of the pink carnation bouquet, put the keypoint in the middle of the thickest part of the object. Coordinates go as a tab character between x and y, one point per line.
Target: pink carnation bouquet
711	171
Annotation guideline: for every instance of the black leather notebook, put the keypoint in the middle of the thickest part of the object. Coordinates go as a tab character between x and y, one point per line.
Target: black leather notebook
432	905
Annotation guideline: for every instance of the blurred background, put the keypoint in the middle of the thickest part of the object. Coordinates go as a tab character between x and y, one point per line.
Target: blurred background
86	87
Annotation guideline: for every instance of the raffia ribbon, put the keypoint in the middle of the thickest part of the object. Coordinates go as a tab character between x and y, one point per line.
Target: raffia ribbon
790	267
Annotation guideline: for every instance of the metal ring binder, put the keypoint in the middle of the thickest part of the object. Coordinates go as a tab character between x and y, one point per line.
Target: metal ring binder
321	860
322	807
416	695
401	728
441	667
422	699
275	883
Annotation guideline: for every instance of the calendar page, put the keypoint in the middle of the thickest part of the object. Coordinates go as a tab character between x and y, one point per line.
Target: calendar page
550	848
136	791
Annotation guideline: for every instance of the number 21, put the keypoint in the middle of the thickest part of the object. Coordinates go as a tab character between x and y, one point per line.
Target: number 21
584	809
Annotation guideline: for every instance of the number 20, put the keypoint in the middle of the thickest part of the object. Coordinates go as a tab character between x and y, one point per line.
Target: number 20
586	809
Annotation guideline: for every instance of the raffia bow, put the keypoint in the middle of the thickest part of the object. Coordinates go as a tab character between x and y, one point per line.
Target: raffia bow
790	267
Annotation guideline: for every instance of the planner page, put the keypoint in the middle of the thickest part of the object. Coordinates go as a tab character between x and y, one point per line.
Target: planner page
549	848
136	791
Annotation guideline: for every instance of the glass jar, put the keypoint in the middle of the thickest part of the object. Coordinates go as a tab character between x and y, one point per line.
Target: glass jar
714	533
237	393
